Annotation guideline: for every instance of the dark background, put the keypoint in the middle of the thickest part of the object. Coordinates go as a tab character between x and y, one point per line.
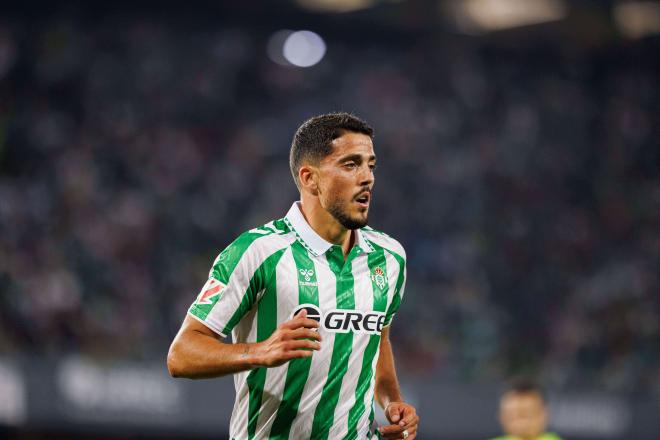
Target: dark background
518	167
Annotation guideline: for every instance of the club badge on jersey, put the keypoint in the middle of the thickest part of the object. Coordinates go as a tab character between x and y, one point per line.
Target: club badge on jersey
379	278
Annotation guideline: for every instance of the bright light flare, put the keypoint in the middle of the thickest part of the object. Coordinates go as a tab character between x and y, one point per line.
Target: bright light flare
304	48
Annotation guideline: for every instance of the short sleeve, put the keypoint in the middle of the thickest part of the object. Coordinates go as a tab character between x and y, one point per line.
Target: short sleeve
234	282
398	291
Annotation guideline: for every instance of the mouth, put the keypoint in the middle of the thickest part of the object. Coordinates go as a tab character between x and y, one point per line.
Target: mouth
363	199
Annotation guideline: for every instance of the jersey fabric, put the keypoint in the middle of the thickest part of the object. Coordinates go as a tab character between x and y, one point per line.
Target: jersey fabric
260	280
546	436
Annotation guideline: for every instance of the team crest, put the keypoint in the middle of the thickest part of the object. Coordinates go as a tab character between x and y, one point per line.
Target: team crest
379	278
211	289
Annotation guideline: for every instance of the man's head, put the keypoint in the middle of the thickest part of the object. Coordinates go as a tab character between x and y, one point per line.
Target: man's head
332	160
522	410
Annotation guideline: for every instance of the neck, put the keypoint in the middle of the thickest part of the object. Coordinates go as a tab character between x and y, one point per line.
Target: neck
326	225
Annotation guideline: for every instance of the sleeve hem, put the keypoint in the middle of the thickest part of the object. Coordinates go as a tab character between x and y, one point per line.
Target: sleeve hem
208	324
389	321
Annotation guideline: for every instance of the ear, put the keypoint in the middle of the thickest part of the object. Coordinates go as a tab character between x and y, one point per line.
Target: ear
308	176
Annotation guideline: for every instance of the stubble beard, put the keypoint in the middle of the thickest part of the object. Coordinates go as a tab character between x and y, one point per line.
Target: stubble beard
336	209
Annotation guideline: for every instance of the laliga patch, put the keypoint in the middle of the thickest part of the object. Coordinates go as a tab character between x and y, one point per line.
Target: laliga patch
211	289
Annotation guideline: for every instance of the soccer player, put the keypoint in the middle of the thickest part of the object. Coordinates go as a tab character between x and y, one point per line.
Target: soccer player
308	300
523	414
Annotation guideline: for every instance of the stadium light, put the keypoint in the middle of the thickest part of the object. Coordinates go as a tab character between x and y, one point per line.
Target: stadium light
637	19
338	6
304	48
492	15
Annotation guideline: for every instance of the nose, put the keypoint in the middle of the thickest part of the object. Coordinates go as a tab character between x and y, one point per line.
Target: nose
366	175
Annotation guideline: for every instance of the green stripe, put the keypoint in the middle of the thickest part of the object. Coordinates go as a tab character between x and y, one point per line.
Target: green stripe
257	284
225	264
342	347
281	226
396	300
298	369
266	325
375	260
228	259
371	418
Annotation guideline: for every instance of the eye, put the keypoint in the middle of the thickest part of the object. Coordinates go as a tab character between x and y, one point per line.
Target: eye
350	165
372	167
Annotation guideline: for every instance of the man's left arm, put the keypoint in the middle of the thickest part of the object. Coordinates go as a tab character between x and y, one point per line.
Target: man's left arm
402	416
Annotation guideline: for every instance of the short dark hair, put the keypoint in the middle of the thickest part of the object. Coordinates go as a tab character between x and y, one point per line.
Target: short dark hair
524	385
312	141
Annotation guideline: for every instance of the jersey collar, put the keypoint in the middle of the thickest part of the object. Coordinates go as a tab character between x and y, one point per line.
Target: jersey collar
313	241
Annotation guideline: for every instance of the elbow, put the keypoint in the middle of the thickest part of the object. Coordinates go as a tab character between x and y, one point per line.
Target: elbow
174	366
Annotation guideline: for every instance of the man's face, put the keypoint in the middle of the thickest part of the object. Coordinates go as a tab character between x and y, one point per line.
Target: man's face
523	415
346	178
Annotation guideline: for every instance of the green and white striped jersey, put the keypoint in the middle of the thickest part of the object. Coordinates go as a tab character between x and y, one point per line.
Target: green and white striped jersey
262	279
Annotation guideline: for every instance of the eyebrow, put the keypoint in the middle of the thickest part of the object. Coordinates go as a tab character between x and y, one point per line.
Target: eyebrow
356	157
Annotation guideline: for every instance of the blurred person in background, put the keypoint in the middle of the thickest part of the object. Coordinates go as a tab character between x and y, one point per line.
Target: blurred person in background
308	299
523	413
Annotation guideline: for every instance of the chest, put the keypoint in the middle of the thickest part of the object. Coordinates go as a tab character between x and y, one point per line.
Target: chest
347	295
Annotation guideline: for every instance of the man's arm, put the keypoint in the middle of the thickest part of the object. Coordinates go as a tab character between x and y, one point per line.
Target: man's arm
402	416
197	352
386	386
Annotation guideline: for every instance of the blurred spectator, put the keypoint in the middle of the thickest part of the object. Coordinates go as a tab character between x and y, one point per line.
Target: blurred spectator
523	182
523	413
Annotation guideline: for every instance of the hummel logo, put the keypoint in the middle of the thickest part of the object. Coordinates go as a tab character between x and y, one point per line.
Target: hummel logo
307	273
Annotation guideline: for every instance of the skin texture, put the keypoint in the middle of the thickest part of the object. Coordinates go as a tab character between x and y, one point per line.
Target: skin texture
332	186
329	190
401	415
197	352
523	415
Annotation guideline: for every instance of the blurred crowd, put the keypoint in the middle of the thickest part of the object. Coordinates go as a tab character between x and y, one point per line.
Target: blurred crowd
523	181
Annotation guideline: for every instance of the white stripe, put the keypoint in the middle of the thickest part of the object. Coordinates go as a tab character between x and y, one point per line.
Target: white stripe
239	280
318	372
385	241
239	415
363	423
364	300
246	332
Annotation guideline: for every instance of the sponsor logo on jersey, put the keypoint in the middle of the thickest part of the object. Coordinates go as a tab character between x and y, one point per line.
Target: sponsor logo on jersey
344	320
306	278
313	312
211	289
378	277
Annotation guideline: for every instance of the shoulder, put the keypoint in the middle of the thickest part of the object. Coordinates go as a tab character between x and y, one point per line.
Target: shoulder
258	243
550	436
385	241
274	233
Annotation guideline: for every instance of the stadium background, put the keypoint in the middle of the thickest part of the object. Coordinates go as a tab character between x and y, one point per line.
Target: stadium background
518	164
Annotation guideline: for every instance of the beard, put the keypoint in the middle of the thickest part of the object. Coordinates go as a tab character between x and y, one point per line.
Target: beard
337	210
